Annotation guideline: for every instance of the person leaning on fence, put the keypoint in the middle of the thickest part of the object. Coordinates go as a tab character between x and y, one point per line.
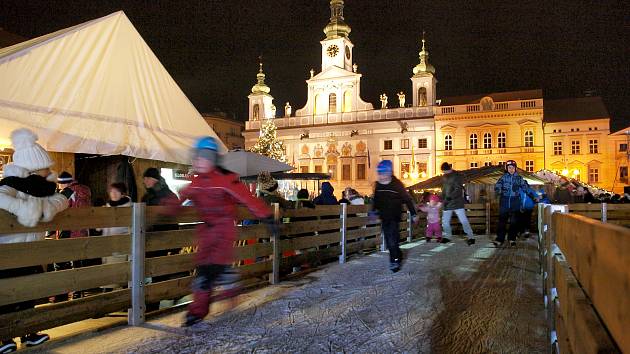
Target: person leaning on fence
326	197
508	188
453	199
389	196
528	203
79	196
117	199
28	192
215	193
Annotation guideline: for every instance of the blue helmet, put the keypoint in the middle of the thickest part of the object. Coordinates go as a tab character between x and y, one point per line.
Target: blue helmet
206	143
385	166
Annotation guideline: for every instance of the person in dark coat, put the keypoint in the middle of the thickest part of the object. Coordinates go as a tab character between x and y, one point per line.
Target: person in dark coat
326	197
158	192
389	196
303	200
453	199
509	188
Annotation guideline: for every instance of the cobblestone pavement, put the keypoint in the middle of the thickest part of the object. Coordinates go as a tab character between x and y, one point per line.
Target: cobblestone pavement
447	299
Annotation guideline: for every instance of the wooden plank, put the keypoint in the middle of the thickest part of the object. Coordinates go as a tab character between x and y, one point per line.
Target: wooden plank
253	251
358	233
156	215
358	209
300	227
476	206
163	240
169	289
597	254
43	285
304	242
17	324
253	232
320	210
16	255
71	219
255	269
470	213
313	257
361	245
561	330
585	207
169	264
584	329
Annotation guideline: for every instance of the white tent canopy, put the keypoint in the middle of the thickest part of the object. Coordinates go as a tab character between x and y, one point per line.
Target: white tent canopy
97	88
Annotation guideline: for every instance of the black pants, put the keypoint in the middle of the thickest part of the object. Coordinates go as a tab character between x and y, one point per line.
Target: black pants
526	219
392	238
509	211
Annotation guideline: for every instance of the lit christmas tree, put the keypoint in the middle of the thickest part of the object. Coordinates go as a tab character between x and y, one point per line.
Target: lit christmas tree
268	143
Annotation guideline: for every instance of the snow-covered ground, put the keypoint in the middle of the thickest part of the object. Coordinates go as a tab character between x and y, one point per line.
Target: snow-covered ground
447	299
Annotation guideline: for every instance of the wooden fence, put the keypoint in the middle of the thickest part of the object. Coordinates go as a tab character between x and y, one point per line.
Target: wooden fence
618	214
586	282
310	237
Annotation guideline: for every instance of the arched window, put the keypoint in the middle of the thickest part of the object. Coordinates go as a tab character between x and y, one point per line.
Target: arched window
529	138
473	141
448	142
501	140
487	141
332	103
422	96
256	112
347	101
316	104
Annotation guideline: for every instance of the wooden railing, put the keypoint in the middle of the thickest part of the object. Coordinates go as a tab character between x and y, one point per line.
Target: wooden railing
308	237
618	214
585	265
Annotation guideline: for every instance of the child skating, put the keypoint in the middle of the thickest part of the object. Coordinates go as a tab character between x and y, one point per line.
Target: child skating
432	208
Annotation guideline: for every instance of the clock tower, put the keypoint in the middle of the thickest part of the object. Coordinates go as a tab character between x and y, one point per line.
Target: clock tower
336	47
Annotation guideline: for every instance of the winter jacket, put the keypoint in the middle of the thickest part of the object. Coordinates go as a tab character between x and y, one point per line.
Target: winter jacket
389	198
356	200
79	196
527	196
29	209
160	194
275	197
433	212
215	195
124	202
453	191
510	185
326	197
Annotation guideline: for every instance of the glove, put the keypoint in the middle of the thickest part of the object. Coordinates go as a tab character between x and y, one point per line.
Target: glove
28	211
53	205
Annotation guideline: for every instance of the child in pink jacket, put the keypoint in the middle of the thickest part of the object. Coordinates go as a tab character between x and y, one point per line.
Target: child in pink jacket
432	208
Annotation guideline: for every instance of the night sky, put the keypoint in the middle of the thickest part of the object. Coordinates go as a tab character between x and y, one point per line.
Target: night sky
211	48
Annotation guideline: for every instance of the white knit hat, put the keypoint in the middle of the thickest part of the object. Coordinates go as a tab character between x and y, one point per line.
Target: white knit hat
28	153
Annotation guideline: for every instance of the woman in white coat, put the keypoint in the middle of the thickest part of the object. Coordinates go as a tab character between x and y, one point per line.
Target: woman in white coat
28	191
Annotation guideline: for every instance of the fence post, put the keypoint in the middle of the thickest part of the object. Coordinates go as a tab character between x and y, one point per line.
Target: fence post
343	215
274	277
409	227
383	248
604	212
487	218
138	227
551	250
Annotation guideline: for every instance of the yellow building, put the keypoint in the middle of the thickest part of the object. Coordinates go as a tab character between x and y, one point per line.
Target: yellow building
228	130
484	130
618	143
576	135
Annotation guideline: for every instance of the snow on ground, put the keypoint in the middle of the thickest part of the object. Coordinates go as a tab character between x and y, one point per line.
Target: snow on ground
447	299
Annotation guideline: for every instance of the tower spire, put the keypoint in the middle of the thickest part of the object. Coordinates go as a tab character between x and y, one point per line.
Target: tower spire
423	67
260	86
336	27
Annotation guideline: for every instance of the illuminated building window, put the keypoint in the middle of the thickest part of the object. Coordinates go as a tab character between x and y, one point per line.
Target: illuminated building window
421	167
303	169
473	141
347	101
529	138
623	174
318	169
557	147
593	175
316	104
623	147
487	141
405	169
488	164
474	165
501	163
422	143
346	172
404	144
575	147
592	146
332	103
361	171
501	140
529	166
448	142
387	145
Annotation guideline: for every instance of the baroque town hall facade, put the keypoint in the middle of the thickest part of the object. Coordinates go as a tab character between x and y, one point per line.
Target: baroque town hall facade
337	132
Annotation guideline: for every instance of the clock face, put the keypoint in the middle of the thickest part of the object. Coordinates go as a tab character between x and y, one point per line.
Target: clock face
347	53
332	50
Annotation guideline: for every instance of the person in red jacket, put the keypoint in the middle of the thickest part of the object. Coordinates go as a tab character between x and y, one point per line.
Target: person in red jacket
215	193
